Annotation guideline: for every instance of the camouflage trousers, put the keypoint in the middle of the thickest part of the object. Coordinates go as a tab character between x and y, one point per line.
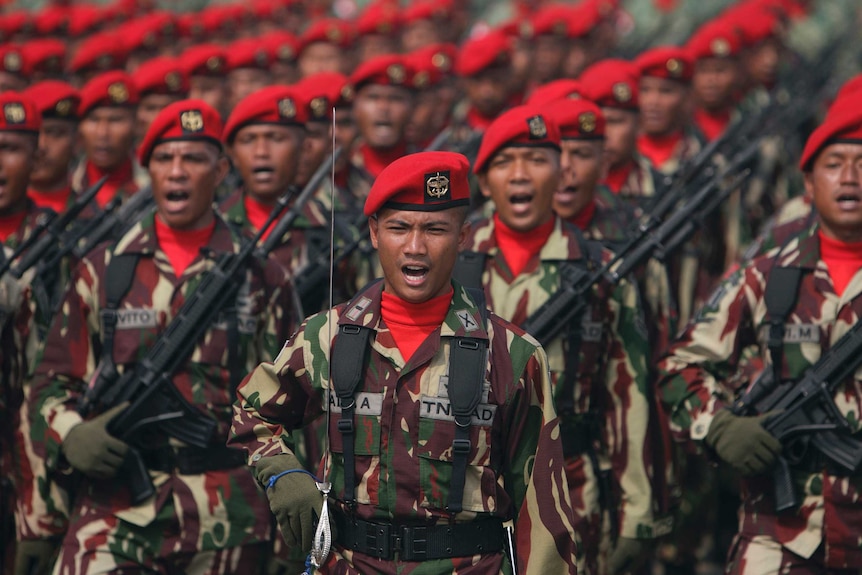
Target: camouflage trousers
761	555
99	543
591	522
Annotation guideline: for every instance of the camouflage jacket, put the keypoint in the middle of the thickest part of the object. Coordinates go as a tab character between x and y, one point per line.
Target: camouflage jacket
226	506
686	148
403	444
641	186
81	181
612	374
794	217
698	381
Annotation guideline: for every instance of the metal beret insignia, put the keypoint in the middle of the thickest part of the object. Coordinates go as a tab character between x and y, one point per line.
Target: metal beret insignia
318	107
173	81
63	107
622	92
214	63
333	34
587	122
14	113
118	93
674	66
720	47
104	61
436	186
538	128
12	61
287	108
192	121
421	79
347	92
396	73
441	61
285	52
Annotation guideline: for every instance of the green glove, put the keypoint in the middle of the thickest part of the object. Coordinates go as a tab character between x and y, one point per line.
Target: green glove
93	451
35	557
742	442
627	556
294	499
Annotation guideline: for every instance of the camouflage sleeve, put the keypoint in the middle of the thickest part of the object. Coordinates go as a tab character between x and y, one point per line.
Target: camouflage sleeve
627	412
281	311
693	375
67	361
275	399
534	473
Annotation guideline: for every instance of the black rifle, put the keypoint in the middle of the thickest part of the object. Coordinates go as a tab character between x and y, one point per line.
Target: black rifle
807	415
115	222
286	223
154	400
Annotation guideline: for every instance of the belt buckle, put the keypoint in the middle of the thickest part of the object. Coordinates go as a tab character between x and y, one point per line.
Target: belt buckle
414	543
378	539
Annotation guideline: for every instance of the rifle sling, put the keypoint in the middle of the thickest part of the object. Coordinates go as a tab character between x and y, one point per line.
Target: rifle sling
780	295
118	281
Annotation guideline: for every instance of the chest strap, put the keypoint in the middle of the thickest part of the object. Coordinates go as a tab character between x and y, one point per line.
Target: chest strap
782	289
119	276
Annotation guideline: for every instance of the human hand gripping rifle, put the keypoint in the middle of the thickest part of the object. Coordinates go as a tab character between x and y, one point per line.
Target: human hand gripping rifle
154	400
806	416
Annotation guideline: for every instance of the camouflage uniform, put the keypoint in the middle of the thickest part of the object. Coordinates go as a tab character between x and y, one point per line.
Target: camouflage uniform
611	388
794	217
698	382
81	181
642	185
406	429
213	517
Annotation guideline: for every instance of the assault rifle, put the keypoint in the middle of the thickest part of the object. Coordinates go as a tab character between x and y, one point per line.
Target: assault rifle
113	222
807	416
569	301
155	401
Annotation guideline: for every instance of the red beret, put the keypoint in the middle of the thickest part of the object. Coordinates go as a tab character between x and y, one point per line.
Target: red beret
843	122
577	119
13	23
612	84
670	62
851	87
11	59
100	52
552	20
204	60
52	20
328	30
54	99
564	89
520	126
379	17
109	89
45	55
754	23
283	46
323	91
148	32
583	18
189	25
427	10
223	18
479	54
19	114
717	39
431	64
84	19
421	182
162	75
385	70
249	53
269	10
193	120
516	28
271	105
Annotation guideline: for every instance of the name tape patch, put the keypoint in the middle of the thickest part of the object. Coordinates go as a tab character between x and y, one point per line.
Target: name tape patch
366	403
440	409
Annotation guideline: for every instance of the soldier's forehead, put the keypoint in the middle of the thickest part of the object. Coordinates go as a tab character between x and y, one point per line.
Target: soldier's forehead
416	217
12	137
186	147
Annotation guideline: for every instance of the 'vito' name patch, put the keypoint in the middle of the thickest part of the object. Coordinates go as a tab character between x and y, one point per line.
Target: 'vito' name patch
136	318
440	409
366	403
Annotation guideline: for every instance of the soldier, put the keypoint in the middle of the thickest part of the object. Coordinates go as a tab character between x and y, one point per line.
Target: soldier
324	47
50	181
159	82
284	47
435	97
816	275
598	371
613	85
12	69
44	59
107	132
204	516
550	28
405	477
377	30
206	66
248	64
98	54
427	22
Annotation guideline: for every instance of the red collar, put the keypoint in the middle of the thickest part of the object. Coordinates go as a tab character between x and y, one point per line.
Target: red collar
478	121
10	224
376	160
712	124
617	177
411	323
182	246
843	259
519	247
659	149
583	218
57	200
117	178
256	212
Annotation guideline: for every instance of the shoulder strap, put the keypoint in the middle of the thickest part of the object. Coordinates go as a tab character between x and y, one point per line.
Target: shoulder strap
119	276
782	291
465	392
469	268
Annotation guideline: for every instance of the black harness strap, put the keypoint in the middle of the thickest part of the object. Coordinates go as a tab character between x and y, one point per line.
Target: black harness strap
782	290
469	268
118	281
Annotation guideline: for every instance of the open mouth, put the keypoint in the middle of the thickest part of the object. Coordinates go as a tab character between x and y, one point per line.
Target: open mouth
848	201
263	174
521	198
414	273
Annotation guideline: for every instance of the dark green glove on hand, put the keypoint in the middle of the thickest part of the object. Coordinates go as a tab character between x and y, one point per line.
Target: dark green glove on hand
294	499
93	451
742	442
627	556
35	557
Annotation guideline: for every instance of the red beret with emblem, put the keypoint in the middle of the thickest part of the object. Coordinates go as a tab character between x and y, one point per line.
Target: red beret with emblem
44	56
385	70
84	19
553	20
754	23
577	119
421	182
54	99
717	39
100	52
52	20
223	18
564	89
109	89
328	30
272	105
283	46
162	75
612	84
204	60
669	62
249	53
851	87
479	54
148	32
13	23
12	59
18	114
186	120
324	90
519	126
583	19
379	17
420	10
843	123
431	64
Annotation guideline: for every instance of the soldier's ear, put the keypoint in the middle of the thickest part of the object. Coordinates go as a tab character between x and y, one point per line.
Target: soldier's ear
808	180
372	230
483	184
223	167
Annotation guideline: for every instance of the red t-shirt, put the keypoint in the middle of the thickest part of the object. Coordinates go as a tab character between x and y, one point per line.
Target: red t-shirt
10	224
182	246
519	247
658	149
376	160
257	213
582	219
56	200
411	323
712	124
617	177
843	260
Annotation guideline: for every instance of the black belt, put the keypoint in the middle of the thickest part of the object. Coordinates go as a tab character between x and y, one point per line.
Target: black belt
418	542
193	460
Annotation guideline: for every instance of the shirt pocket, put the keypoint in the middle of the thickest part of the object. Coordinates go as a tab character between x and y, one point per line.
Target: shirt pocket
366	448
436	463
